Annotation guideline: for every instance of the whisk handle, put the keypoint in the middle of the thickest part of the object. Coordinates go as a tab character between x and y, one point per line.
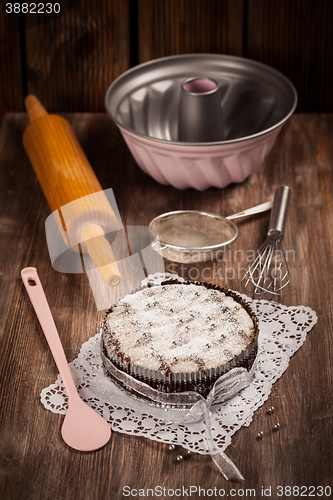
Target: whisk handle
279	212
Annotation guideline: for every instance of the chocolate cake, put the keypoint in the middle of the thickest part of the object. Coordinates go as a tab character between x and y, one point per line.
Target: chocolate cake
180	337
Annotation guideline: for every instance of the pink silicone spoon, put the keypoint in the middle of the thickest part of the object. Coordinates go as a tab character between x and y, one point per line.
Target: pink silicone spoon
83	428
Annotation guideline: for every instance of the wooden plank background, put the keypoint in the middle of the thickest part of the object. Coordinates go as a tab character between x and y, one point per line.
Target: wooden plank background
70	61
11	87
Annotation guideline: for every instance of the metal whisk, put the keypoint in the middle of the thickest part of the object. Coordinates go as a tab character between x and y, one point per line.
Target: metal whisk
268	274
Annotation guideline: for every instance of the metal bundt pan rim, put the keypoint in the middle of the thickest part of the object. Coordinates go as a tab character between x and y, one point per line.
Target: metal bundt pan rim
236	59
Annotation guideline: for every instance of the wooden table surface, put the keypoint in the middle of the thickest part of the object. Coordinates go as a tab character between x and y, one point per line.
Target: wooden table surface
35	463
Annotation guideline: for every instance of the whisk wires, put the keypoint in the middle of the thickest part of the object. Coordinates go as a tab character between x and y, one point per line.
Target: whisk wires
268	274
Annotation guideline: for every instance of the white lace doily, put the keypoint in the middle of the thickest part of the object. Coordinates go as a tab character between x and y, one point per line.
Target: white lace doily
283	330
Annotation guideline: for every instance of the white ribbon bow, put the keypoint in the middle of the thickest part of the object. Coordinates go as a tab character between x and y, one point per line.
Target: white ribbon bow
192	405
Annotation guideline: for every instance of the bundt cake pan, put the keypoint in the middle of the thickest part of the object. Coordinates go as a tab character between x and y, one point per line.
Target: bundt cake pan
160	105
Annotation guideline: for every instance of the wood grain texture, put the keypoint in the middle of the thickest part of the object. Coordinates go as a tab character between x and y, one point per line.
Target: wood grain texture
34	462
170	27
70	61
73	59
11	85
297	39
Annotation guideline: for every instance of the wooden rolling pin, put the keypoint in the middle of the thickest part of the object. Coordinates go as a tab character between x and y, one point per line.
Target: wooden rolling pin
67	179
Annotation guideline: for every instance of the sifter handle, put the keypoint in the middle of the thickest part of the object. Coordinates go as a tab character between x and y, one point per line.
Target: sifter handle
279	212
263	207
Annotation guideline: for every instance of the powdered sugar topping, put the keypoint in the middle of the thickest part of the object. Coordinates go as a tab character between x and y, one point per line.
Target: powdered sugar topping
178	328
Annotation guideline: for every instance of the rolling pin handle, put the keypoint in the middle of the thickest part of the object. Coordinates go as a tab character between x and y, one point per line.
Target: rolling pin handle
100	252
34	107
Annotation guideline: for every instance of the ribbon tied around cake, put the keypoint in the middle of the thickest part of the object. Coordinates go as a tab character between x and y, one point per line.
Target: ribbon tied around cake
190	406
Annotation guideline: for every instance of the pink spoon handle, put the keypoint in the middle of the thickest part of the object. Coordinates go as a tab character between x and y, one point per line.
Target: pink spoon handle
36	293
